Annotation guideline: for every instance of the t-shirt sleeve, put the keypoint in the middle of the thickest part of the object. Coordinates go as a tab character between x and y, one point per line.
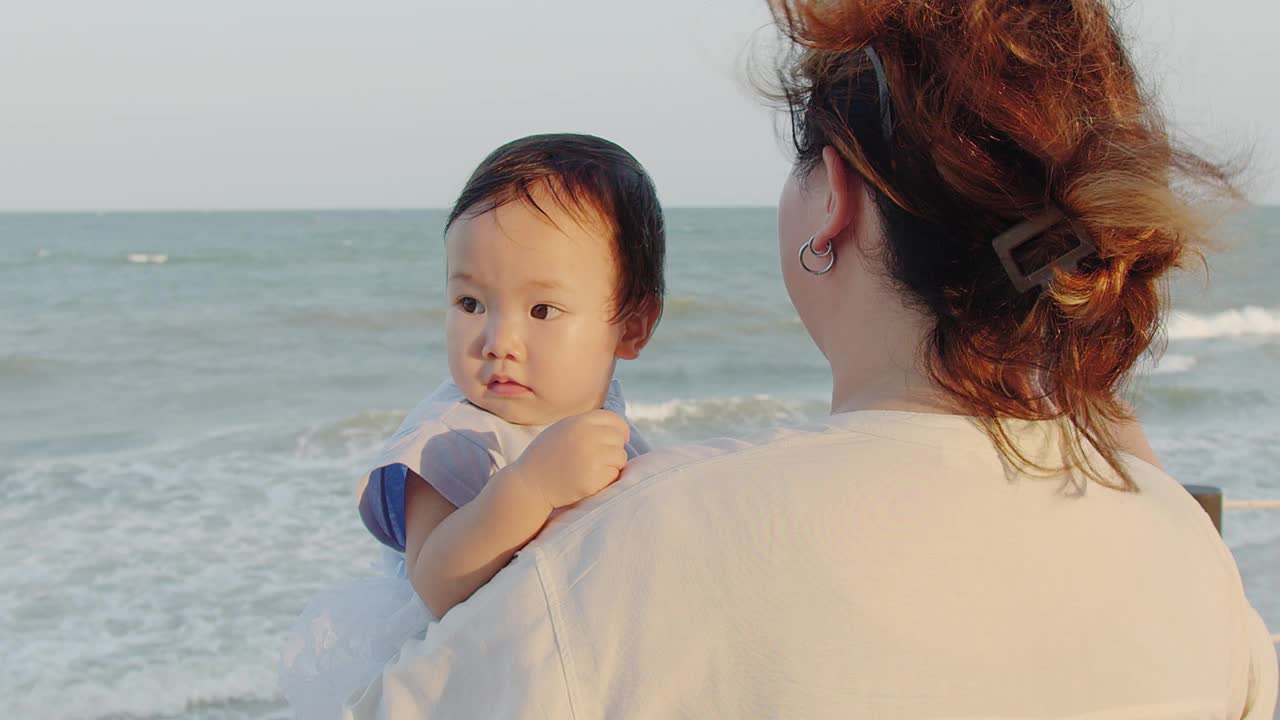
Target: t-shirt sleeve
457	464
382	505
454	462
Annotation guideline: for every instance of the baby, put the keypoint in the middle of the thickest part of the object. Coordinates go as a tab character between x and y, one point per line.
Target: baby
555	271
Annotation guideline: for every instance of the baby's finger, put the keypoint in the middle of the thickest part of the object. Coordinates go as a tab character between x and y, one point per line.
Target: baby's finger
611	420
617	458
601	439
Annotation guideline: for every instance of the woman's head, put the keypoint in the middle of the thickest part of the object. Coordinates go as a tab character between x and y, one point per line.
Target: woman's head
555	269
963	119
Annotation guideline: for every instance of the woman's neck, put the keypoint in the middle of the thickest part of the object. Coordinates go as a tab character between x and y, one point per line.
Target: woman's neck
886	383
877	356
890	391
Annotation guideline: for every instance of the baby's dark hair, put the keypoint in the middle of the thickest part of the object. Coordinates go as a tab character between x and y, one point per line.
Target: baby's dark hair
593	178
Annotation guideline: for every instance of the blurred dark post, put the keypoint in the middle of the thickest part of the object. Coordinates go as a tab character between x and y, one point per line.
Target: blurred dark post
1210	498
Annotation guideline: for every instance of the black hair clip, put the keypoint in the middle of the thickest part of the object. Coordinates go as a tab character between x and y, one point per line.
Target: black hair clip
1005	242
882	93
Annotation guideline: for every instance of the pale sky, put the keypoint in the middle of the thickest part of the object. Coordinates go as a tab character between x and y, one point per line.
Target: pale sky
170	104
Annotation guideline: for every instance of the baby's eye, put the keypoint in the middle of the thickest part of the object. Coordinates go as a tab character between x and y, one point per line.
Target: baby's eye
543	311
470	305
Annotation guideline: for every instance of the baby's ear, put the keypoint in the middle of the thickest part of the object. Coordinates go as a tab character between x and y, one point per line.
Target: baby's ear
636	331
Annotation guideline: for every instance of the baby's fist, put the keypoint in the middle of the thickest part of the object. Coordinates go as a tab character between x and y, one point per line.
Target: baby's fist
576	457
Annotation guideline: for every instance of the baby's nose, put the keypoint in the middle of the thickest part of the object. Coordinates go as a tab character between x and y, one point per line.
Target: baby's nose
502	342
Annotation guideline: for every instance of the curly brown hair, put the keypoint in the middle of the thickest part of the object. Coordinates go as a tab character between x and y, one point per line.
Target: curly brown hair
997	109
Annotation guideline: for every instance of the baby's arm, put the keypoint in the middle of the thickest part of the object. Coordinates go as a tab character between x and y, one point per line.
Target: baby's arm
451	552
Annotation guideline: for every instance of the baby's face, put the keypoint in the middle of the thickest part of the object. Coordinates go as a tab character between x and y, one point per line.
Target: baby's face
530	302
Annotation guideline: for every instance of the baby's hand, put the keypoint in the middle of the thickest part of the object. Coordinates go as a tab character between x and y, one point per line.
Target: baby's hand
576	457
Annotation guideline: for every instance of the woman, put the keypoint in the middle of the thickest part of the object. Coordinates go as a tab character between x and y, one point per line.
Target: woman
981	213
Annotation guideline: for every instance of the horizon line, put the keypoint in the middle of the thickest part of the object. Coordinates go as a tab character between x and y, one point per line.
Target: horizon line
364	208
302	209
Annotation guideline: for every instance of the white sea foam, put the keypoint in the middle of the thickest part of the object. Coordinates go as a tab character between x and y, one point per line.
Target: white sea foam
1169	364
689	420
1237	322
148	258
172	588
656	412
357	436
43	253
714	408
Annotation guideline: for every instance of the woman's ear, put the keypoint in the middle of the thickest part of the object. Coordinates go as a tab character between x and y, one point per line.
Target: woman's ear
843	188
637	328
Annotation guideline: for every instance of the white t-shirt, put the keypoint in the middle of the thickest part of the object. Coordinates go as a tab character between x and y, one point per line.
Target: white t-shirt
880	565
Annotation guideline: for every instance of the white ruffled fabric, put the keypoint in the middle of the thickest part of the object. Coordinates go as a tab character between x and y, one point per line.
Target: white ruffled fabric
344	637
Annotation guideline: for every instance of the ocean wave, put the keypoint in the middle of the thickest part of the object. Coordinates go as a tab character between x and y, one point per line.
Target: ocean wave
174	581
1168	364
1169	400
1237	322
686	420
359	435
147	258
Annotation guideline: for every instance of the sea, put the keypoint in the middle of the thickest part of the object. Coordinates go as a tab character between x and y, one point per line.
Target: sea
187	400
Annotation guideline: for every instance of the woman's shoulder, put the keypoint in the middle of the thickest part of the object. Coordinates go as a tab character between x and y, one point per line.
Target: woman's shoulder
836	450
868	435
927	468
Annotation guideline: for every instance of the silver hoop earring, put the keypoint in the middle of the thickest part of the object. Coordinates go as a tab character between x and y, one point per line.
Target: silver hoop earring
829	252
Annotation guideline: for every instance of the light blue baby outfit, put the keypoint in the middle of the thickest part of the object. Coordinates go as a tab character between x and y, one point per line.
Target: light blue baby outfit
347	634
